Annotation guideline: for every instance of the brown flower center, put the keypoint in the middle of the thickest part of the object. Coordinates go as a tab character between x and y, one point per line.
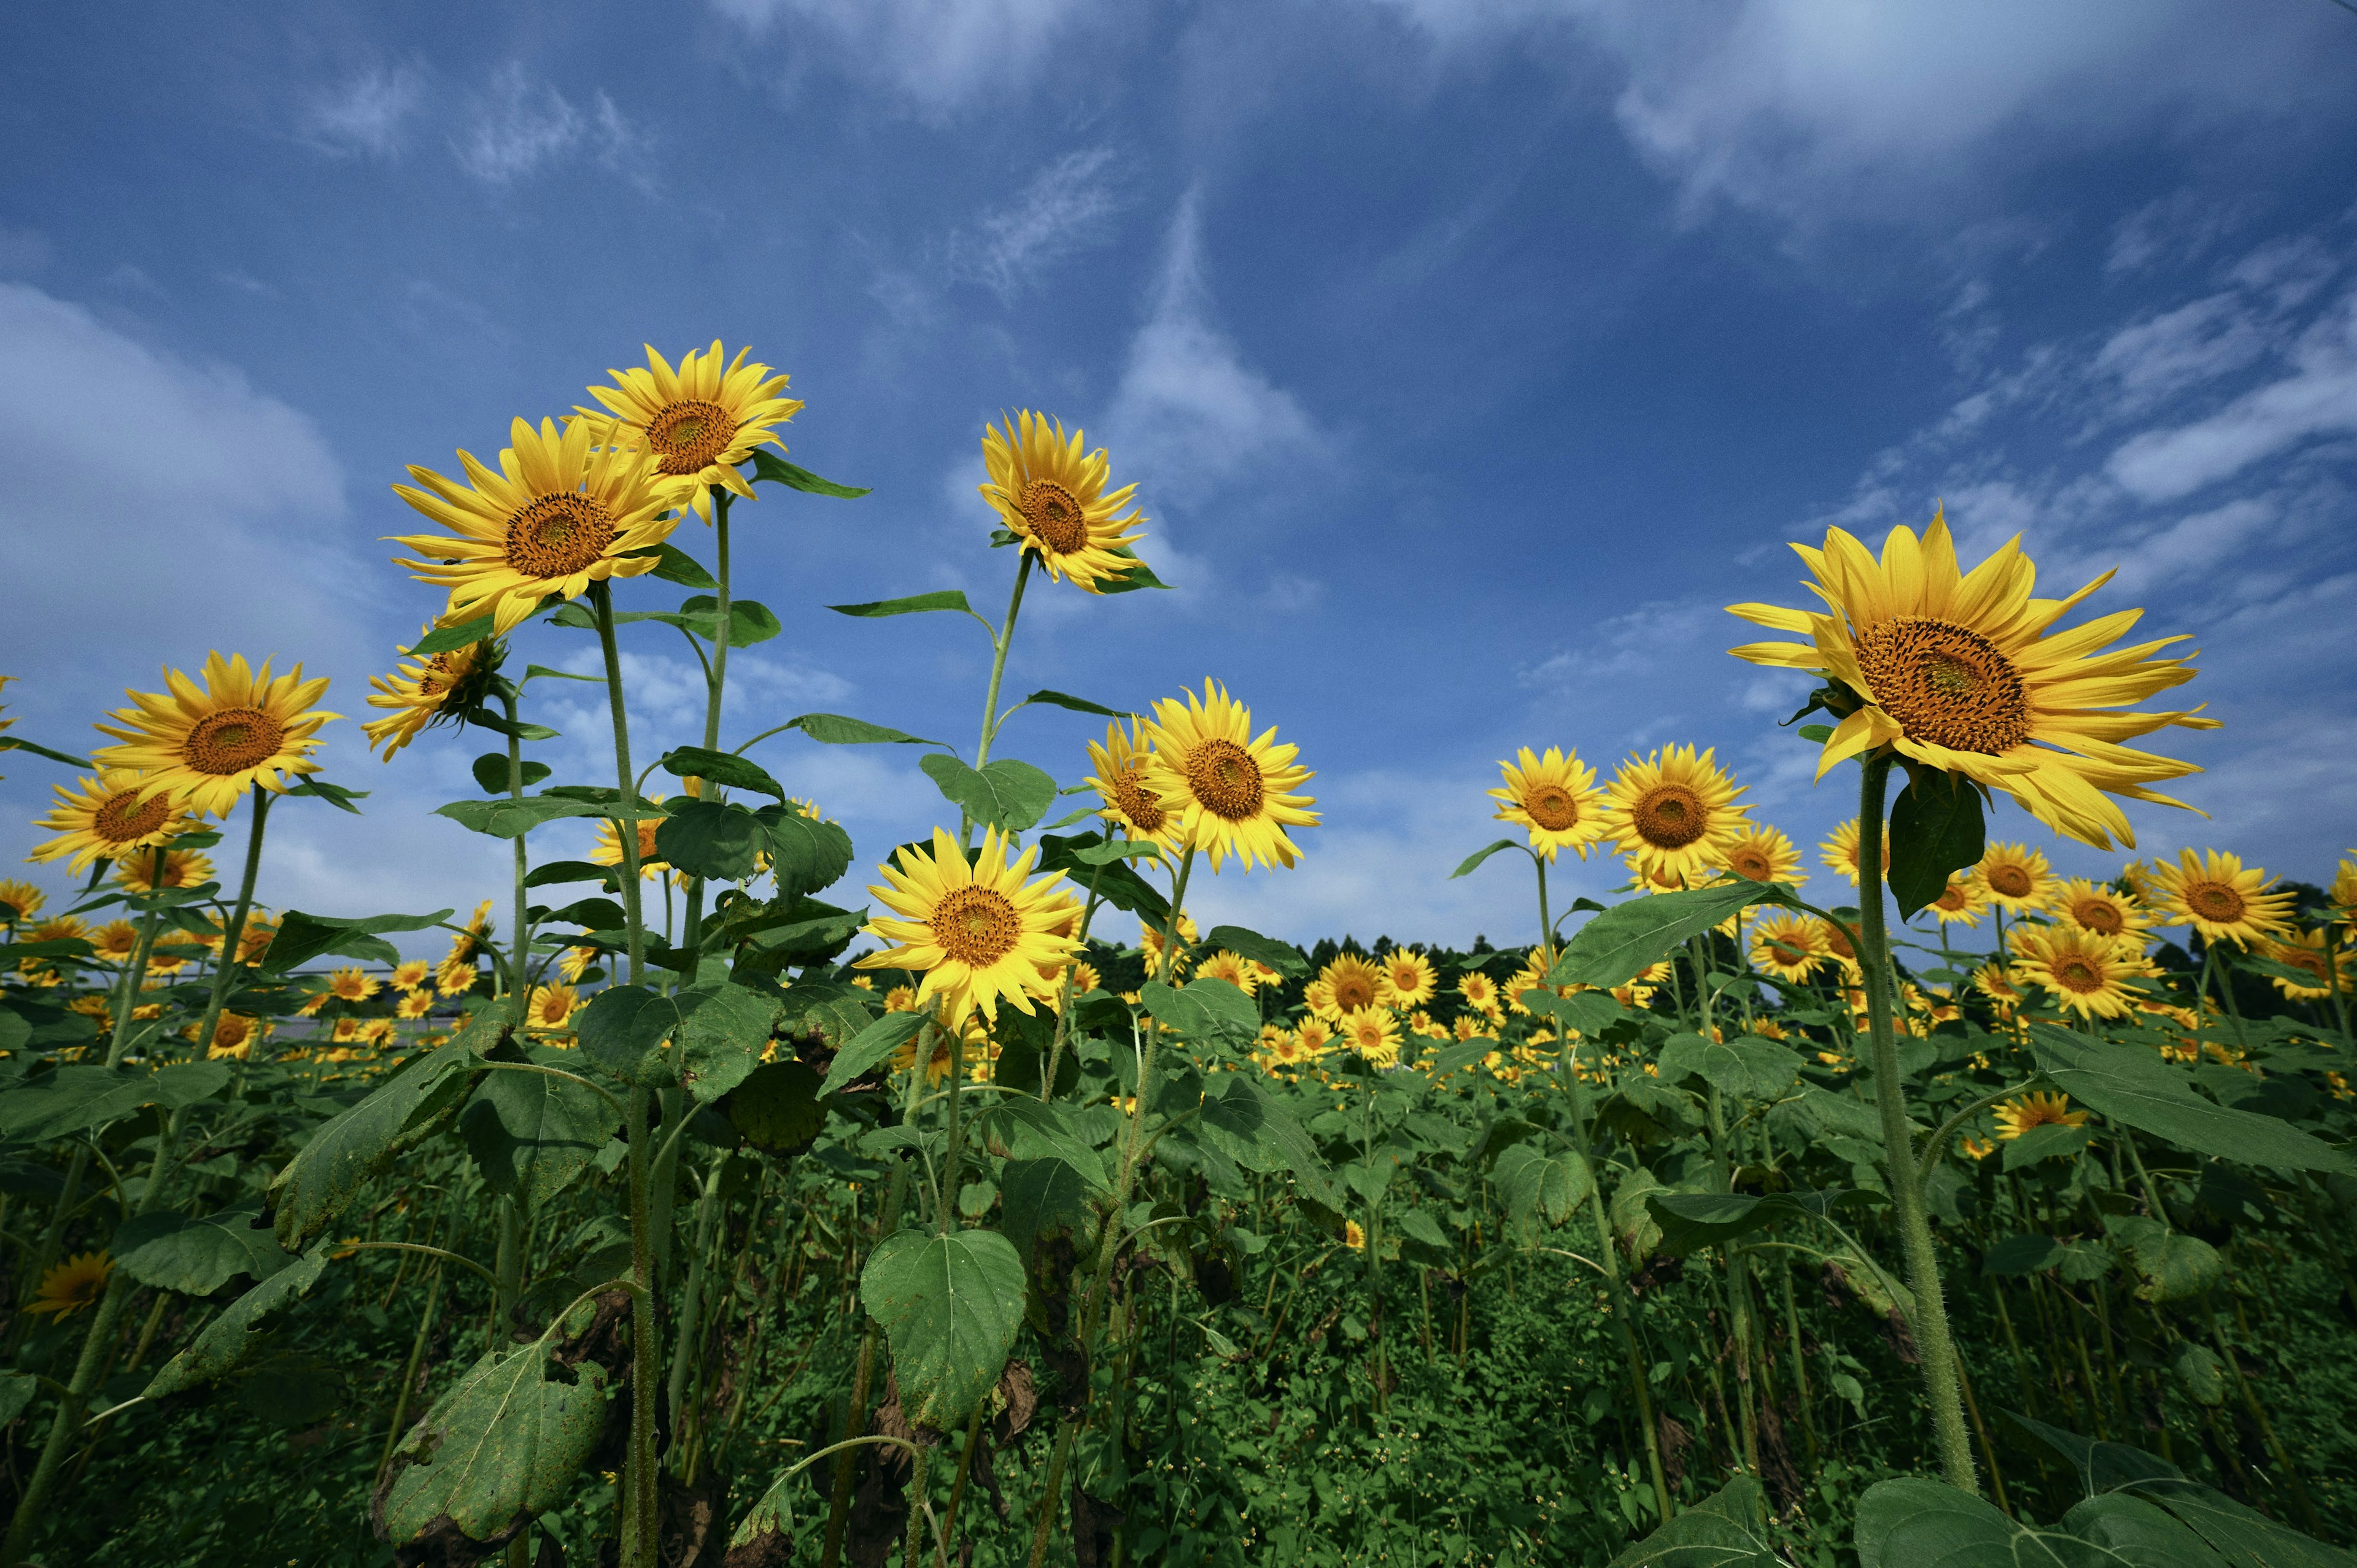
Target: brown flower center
1787	953
1951	899
690	435
1353	991
2215	902
2079	975
1552	807
125	816
558	535
1837	939
2013	881
1055	516
2301	958
1751	864
1671	816
1945	685
1141	805
1226	780
231	740
2100	915
976	926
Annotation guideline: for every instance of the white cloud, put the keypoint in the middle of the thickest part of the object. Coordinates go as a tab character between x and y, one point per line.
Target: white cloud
939	54
366	115
1065	208
518	124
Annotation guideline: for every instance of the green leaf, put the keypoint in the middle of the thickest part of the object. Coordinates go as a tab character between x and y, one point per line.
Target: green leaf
1633	1215
531	1133
749	621
499	723
336	795
1041	1195
1588	1012
2199	1372
301	938
2133	1086
1003	793
915	604
292	1389
1139	576
677	565
1747	1068
501	1446
198	1256
228	1339
2140	1532
1692	1220
1077	705
491	771
450	639
1534	1182
777	470
41	1107
1915	1524
1479	855
951	1305
1036	1130
558	872
1935	829
2024	1254
876	1043
1282	957
510	819
1267	1133
417	1099
710	839
836	730
2101	1467
1624	940
1117	884
2244	1537
1725	1530
16	1391
1457	1057
2173	1265
2052	1141
776	1108
1206	1012
805	854
722	768
716	1032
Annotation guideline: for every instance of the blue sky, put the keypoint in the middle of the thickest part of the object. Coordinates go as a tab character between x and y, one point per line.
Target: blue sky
1468	358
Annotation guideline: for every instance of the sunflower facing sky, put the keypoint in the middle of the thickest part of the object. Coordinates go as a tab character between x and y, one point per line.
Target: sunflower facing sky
1345	986
2088	973
1840	852
1050	493
1962	903
419	694
2217	897
699	421
203	746
979	933
104	819
1786	945
562	511
1674	814
2015	1117
2018	878
1233	792
1119	780
1554	797
2091	907
1957	671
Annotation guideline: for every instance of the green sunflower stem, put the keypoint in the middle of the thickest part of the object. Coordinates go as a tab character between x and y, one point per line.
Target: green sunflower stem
999	645
519	940
233	936
626	834
1930	1322
1546	921
715	683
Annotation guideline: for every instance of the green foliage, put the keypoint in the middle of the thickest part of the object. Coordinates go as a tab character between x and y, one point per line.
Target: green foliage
952	1305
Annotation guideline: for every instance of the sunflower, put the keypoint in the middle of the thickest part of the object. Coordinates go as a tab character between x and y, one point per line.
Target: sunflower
1233	967
1119	781
1234	793
1467	1026
71	1285
345	1031
1317	1036
1372	1032
900	999
1149	942
1840	852
2015	1117
261	931
1954	670
1051	494
979	933
376	1031
20	901
353	985
700	421
115	941
104	819
607	850
1841	940
234	1035
1762	854
456	975
553	1006
2091	907
2344	892
2304	951
1554	797
1479	992
1673	813
1286	1050
182	868
563	511
575	962
439	686
59	929
2088	973
1962	902
1408	979
1787	945
1346	985
2213	894
941	1052
1355	1236
418	1003
411	975
1085	978
1978	1148
2018	878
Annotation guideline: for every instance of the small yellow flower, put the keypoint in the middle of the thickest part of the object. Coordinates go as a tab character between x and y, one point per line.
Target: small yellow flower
1355	1236
412	975
1408	979
73	1285
2015	1117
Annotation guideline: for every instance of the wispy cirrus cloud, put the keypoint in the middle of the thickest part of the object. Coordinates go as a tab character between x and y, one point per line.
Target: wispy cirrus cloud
1067	208
367	114
938	55
518	124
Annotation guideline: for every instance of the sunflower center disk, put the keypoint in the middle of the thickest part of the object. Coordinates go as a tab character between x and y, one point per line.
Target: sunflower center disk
1749	865
231	741
2213	901
976	926
1945	685
1226	780
558	535
2079	975
1353	994
1139	804
1671	817
1552	807
2100	918
124	817
2010	880
690	435
1057	519
1953	899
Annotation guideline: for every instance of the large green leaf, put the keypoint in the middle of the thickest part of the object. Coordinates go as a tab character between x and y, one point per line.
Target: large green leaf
76	1097
421	1095
1532	1182
507	818
197	1256
531	1133
716	1032
1692	1220
776	1108
710	839
1282	957
1624	940
2101	1467
301	938
1205	1012
1003	793
1116	883
1915	1524
2024	1254
749	621
2171	1265
1033	1130
914	603
2140	1532
503	1445
1259	1133
1747	1068
951	1305
724	768
1042	1194
834	729
231	1337
768	466
2242	1536
1935	829
874	1045
805	854
2134	1087
1725	1530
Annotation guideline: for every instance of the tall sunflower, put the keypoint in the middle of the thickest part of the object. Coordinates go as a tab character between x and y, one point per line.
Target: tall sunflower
979	933
204	745
1051	494
1840	852
2015	1117
1371	1032
608	850
1787	945
2018	878
2304	951
1961	902
1762	854
2217	897
2088	973
2091	907
104	819
182	868
1673	813
563	511
77	1283
1120	781
1233	792
20	901
700	421
1554	797
1347	984
440	686
1956	671
1409	979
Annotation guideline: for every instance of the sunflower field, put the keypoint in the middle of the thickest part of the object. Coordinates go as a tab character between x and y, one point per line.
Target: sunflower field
740	1196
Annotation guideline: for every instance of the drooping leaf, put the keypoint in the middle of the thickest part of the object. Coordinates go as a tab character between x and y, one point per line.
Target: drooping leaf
491	769
1032	1130
2199	1372
1484	852
1273	1128
749	621
768	466
710	839
2134	1087
1747	1068
228	1339
1077	705
805	854
776	1108
531	1133
1547	1183
722	768
875	1044
1282	957
951	1306
1692	1220
1206	1012
716	1032
512	819
1003	793
501	1446
1042	1195
834	729
1725	1530
2101	1467
1915	1524
2242	1536
1936	830
1634	935
301	938
1116	883
2140	1532
197	1256
914	603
